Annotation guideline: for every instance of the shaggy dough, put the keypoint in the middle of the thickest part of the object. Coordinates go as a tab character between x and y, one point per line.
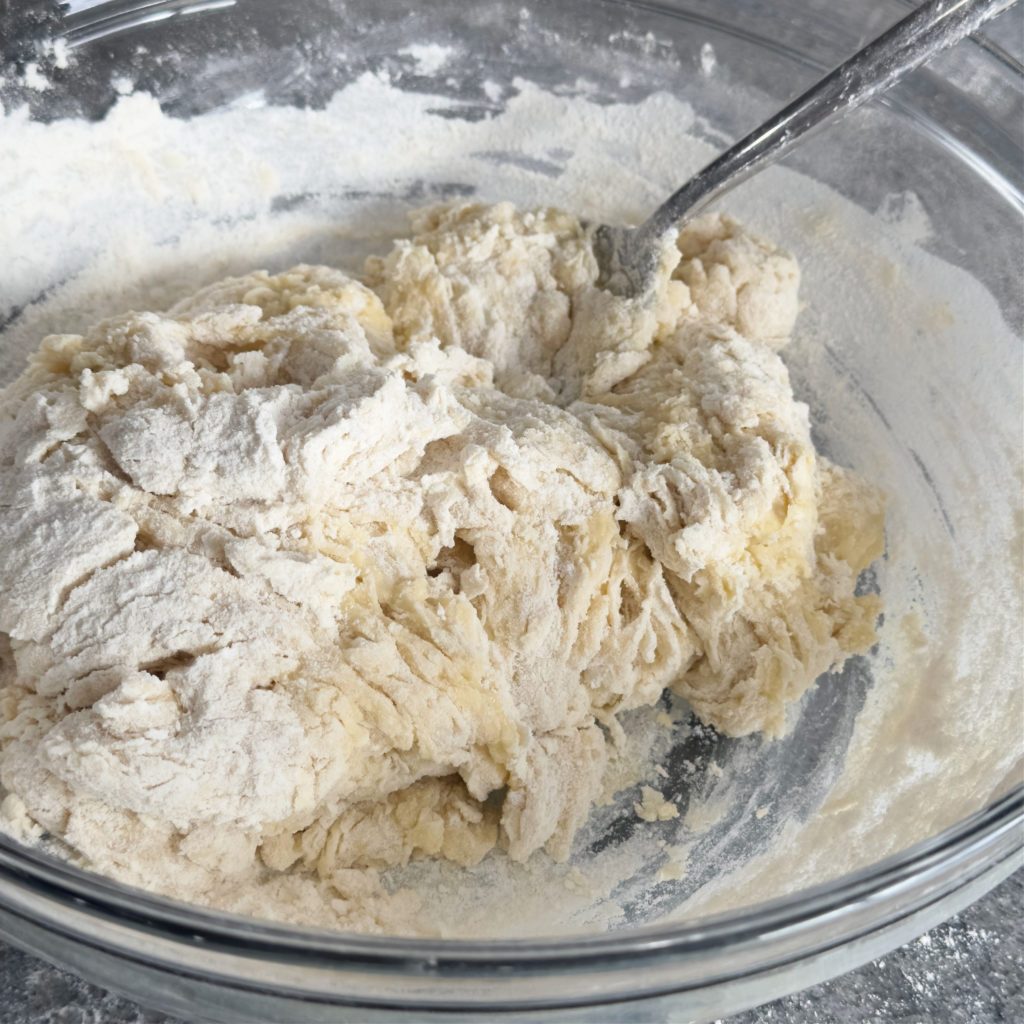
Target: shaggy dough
308	576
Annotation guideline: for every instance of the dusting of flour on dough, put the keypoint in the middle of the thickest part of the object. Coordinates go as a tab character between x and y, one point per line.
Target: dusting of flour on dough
309	576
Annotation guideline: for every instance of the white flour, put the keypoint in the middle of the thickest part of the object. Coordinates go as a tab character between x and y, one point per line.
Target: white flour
166	206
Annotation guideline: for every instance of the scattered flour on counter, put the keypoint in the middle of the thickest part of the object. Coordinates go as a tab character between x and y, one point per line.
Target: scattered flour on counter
429	57
34	78
708	60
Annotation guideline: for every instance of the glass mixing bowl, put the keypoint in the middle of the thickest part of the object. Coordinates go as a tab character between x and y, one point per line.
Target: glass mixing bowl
895	798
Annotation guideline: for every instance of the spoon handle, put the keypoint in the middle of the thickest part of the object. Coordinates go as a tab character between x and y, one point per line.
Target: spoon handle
931	27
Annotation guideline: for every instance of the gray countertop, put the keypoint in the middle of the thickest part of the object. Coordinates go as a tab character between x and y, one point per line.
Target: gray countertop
969	970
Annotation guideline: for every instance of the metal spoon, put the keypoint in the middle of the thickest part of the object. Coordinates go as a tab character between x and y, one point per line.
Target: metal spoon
627	258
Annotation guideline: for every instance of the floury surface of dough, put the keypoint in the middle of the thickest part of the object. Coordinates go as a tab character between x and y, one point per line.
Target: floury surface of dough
308	576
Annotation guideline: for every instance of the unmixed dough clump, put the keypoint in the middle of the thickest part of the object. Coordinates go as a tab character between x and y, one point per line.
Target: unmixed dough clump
308	576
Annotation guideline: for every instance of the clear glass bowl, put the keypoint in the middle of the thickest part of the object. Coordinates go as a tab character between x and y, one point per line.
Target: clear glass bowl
933	413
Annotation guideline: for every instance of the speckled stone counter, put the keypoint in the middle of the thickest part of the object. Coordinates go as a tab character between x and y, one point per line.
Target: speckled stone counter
969	970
